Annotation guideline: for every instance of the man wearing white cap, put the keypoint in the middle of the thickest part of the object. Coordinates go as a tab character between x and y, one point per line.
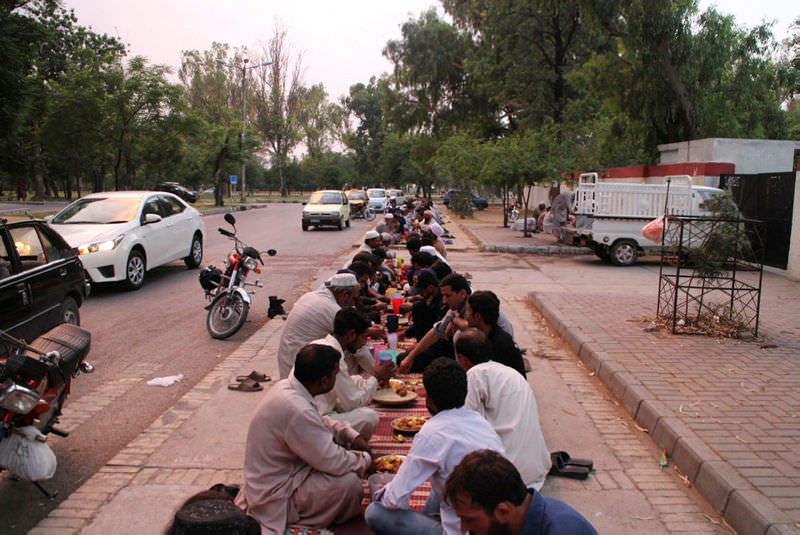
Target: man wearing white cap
312	316
372	239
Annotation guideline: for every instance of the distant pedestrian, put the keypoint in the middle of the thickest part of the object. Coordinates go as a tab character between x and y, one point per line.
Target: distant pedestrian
21	193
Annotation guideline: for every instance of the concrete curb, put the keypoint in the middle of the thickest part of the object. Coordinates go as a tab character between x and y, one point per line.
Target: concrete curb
550	250
745	509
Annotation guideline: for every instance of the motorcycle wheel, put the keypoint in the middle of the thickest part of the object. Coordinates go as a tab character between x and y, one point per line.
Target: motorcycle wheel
226	315
369	215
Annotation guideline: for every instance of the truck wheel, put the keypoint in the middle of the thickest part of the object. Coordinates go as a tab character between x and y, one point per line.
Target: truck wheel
624	253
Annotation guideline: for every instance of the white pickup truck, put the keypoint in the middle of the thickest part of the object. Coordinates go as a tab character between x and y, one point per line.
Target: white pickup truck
609	216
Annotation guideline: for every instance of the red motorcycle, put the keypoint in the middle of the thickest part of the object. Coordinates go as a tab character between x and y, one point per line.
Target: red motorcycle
35	381
230	302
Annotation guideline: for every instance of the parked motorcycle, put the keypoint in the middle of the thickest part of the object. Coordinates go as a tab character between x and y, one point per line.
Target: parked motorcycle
230	302
35	381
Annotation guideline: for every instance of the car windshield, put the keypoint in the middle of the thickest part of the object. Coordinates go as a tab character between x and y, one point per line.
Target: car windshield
376	193
356	196
98	211
325	197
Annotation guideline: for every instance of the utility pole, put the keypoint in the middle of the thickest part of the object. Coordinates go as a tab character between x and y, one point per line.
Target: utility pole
245	68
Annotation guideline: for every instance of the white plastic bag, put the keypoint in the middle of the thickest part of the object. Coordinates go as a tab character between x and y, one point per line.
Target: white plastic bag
165	381
27	457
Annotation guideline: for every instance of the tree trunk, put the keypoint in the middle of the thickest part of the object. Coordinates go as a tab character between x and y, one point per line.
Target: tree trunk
130	171
37	171
665	58
218	180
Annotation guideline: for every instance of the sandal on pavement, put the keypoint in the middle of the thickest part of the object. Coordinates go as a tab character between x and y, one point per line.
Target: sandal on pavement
565	457
560	468
255	376
248	385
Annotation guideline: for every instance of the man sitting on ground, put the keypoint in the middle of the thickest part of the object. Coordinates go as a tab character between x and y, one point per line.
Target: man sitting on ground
425	302
299	466
351	394
312	316
452	432
506	400
483	310
438	342
490	498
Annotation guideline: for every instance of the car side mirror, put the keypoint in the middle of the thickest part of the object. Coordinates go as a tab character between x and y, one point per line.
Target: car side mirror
151	218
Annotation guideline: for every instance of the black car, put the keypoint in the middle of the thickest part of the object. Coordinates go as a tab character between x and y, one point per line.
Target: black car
477	202
175	188
42	281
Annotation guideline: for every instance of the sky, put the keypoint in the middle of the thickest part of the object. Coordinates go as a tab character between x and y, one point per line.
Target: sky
341	41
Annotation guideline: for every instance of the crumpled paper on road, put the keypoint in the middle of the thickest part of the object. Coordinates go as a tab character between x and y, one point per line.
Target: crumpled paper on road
165	381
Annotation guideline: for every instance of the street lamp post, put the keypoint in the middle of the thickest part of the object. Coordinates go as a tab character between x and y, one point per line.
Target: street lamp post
245	68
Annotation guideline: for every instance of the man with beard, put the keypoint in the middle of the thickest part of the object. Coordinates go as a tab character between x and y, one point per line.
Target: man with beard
300	466
312	316
489	497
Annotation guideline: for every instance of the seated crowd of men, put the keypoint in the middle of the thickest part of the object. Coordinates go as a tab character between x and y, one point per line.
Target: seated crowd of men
307	446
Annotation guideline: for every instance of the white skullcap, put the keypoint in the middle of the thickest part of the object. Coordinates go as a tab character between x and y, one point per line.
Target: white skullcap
389	216
342	280
371	235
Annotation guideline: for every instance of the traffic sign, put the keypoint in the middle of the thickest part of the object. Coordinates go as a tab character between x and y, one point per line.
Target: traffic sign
234	179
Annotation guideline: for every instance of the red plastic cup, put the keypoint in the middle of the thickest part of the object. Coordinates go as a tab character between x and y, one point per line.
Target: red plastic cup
396	302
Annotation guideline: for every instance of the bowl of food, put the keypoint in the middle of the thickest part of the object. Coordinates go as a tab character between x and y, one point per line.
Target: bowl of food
389	464
408	425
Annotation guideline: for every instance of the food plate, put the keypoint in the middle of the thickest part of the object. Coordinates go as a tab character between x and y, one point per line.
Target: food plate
388	396
389	464
408	425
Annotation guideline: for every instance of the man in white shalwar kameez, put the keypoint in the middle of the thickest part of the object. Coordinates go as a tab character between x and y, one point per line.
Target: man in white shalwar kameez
301	467
502	396
312	316
351	394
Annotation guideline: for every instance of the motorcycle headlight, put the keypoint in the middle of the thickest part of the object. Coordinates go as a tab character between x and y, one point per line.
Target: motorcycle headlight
16	398
99	246
250	264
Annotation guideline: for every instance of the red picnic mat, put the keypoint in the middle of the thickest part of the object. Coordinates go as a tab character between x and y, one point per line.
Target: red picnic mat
382	442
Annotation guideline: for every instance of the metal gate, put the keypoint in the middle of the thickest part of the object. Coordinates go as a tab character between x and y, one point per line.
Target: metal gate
768	197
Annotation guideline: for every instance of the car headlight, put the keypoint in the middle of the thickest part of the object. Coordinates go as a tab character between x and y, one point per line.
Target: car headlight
100	246
16	398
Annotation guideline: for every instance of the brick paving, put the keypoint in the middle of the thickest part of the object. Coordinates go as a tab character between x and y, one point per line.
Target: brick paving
727	411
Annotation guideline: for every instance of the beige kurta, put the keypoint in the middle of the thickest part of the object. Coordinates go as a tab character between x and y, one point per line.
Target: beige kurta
292	455
311	318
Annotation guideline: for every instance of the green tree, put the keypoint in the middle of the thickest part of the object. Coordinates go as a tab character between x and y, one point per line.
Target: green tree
279	104
322	121
365	104
213	97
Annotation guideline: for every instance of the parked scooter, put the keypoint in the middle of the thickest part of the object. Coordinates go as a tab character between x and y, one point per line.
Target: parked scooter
230	302
35	381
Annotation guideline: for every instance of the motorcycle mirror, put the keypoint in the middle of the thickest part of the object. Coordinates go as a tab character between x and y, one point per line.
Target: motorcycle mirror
230	219
272	252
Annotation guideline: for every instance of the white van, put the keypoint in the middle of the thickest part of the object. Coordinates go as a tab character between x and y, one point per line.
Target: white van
609	216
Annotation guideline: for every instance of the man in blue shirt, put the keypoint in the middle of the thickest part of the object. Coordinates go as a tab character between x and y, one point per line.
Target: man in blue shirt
488	495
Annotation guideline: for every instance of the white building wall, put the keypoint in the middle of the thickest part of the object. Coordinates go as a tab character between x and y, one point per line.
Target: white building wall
750	156
793	266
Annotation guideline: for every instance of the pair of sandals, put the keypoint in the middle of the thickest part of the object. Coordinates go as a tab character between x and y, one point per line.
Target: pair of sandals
250	383
565	466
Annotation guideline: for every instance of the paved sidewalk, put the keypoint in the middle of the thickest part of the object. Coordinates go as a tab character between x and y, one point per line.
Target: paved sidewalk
726	411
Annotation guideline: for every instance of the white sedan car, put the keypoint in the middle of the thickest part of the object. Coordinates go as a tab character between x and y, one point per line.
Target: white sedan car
122	234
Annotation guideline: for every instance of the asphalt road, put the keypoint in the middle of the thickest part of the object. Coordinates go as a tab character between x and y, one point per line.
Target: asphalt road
160	331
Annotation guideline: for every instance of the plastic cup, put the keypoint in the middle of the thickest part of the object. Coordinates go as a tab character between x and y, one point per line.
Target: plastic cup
386	356
392	322
397	300
399	263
